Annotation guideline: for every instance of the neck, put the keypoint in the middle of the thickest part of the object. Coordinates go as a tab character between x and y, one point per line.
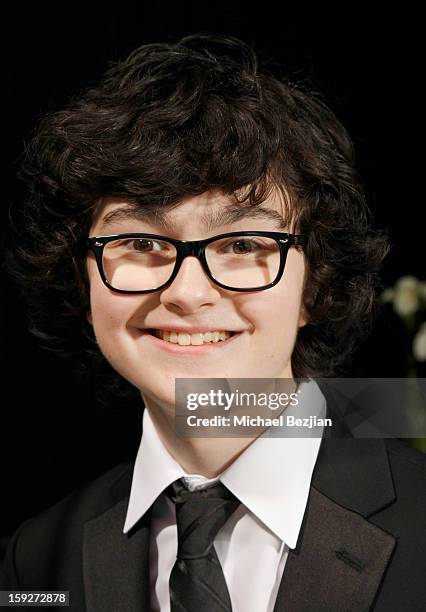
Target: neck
207	457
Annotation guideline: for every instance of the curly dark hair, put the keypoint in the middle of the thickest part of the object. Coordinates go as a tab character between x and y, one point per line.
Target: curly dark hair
176	120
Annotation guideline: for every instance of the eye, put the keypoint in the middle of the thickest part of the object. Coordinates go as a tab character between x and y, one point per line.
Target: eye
241	246
142	244
145	245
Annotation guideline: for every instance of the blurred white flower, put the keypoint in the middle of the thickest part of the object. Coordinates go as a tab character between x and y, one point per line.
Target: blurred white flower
419	344
406	299
407	282
422	289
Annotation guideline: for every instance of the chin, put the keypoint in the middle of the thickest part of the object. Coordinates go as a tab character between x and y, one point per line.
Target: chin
163	393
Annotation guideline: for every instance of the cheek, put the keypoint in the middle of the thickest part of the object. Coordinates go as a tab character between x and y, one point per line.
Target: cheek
276	311
276	317
110	315
109	312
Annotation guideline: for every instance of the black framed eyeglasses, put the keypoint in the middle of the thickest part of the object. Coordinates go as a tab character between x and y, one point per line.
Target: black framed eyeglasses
237	261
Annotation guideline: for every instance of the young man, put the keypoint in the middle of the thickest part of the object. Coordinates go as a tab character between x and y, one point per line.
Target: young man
193	217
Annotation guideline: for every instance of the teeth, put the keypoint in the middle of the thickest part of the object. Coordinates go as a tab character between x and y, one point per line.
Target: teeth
197	339
184	339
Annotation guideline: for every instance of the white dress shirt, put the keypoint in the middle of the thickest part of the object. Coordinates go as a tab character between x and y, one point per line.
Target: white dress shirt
271	478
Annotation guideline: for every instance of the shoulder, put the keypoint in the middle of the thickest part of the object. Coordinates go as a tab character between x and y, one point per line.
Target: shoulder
405	516
85	502
405	456
405	453
408	467
56	533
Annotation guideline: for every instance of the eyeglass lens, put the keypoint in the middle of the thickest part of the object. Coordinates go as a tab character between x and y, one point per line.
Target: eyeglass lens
139	264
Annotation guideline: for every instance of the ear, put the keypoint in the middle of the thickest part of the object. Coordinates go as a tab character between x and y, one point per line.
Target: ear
89	317
303	319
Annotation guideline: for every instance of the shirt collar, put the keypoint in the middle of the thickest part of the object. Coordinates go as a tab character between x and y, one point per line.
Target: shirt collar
280	472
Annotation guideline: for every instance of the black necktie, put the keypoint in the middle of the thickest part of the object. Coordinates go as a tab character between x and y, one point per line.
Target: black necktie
197	581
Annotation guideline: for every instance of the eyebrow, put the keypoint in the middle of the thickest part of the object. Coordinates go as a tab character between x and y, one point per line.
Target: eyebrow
210	219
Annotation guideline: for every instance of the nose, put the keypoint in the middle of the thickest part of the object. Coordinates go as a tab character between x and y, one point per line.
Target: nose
191	288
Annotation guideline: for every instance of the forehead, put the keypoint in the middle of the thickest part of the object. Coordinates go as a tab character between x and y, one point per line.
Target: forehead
207	211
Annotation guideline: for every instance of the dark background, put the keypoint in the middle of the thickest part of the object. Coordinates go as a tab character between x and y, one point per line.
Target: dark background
54	435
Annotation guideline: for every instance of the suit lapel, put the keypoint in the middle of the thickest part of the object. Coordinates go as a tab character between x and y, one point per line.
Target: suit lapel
339	564
340	558
116	565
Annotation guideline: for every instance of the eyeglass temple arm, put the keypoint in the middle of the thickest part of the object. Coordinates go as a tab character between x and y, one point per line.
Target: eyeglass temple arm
299	240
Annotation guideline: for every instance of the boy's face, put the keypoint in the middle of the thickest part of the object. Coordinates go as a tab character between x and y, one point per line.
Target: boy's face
267	321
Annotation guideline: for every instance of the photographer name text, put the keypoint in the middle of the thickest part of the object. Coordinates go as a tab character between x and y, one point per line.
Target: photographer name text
258	421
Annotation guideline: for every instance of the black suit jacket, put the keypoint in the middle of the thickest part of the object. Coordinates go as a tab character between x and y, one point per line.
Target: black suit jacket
361	546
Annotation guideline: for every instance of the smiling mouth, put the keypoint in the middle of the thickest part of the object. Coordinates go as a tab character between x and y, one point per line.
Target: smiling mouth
197	339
